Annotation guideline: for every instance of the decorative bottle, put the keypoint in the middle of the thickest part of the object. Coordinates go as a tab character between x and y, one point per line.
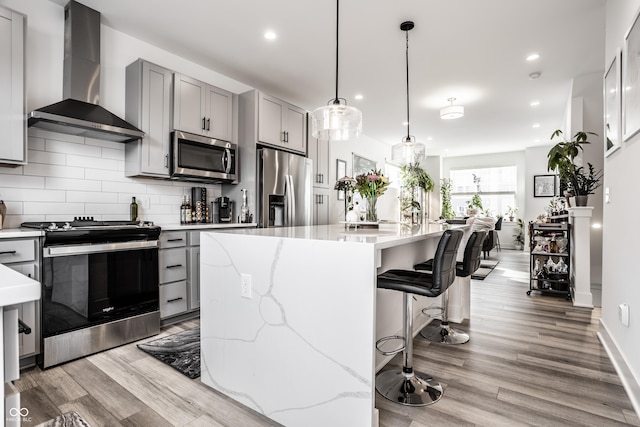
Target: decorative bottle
183	210
133	209
244	210
187	215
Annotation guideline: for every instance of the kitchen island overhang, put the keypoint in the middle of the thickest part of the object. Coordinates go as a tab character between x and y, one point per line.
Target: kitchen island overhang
290	316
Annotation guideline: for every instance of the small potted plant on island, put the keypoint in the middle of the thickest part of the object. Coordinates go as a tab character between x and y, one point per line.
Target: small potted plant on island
580	182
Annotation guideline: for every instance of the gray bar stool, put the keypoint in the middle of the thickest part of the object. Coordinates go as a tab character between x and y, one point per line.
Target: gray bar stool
405	386
443	333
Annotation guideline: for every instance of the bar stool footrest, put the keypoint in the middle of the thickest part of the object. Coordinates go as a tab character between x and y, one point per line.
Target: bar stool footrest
394	351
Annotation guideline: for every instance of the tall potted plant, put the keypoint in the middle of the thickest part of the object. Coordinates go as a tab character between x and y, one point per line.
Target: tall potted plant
446	211
415	182
561	157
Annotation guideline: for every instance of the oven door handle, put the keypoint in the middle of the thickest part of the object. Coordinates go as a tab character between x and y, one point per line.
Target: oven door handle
55	251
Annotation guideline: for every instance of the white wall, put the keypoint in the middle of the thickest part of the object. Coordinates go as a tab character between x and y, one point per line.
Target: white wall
620	234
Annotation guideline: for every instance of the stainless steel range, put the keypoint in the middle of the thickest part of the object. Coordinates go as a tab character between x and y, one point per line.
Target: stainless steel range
100	286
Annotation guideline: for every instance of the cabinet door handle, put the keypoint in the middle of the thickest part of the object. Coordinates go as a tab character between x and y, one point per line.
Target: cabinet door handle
23	328
174	266
204	121
8	253
209	124
174	240
174	299
166	160
321	178
283	136
286	137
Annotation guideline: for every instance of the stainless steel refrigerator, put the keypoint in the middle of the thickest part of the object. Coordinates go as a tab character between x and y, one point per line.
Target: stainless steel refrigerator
285	189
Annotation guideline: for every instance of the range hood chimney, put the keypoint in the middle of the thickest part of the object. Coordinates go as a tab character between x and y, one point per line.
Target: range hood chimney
79	113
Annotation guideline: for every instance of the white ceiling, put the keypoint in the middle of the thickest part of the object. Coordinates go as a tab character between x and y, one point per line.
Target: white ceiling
473	50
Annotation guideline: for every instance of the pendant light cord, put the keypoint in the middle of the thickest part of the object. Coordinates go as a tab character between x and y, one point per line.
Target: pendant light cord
407	62
336	100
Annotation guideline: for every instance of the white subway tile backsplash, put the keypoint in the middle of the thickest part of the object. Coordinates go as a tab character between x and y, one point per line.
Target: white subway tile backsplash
52	208
91	197
168	189
47	134
105	144
30	195
54	183
36	156
107	209
105	175
92	162
10	171
129	186
35	143
110	153
21	181
53	170
72	148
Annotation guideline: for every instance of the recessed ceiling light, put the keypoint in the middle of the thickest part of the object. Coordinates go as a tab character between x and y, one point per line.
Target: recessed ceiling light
270	35
405	123
535	75
535	103
533	57
536	125
429	138
359	97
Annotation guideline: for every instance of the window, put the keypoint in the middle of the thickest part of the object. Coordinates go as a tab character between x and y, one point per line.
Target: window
496	187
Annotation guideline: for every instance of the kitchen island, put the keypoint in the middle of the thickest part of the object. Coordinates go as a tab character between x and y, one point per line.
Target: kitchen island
290	316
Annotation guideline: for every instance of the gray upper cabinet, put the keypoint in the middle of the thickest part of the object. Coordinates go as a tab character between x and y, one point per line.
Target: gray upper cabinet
13	149
202	109
319	154
148	106
282	124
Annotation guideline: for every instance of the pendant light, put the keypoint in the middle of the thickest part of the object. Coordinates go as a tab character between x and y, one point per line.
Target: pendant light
452	111
408	150
336	121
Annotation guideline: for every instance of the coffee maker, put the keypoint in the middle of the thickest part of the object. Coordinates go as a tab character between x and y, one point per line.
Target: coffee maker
224	209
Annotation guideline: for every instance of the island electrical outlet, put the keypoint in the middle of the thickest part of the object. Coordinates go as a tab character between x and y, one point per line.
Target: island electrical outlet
245	285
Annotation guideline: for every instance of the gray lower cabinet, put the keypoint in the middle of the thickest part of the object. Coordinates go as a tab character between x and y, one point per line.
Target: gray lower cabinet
13	149
172	260
193	276
23	255
320	206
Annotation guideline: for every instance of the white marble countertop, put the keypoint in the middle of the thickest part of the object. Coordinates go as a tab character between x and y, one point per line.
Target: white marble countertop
13	233
387	235
16	288
175	227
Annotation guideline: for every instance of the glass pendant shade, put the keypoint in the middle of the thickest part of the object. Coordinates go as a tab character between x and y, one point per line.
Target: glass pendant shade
407	151
336	122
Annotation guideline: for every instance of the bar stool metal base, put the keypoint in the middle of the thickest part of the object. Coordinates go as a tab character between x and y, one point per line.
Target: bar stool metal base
444	334
415	389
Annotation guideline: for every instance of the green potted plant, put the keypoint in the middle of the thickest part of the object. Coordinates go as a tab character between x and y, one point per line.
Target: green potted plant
446	211
511	212
561	157
474	205
414	180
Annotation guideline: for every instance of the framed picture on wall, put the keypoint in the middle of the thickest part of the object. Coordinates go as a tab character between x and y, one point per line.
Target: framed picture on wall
544	185
362	165
611	96
631	81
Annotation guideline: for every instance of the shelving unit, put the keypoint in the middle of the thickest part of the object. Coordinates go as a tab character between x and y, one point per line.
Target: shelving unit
550	260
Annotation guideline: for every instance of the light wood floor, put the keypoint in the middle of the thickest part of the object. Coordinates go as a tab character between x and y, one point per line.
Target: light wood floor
532	360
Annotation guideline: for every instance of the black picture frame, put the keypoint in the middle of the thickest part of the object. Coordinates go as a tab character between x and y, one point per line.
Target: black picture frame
544	185
631	81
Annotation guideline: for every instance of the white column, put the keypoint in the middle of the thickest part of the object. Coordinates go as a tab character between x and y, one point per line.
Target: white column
580	220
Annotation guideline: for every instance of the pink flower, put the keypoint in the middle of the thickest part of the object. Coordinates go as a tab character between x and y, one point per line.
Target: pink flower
372	177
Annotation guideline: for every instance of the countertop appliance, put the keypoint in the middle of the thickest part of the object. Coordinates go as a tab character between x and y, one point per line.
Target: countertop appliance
100	286
284	189
201	159
225	209
79	112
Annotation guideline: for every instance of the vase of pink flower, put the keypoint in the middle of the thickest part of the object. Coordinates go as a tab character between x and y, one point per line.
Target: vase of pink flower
370	186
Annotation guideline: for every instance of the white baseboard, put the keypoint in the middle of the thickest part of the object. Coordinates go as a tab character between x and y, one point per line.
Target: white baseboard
630	383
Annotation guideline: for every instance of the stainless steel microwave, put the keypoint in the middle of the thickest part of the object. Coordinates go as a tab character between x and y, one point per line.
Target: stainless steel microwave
198	158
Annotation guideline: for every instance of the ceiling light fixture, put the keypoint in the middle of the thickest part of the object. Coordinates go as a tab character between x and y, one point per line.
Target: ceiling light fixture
336	121
452	111
533	57
408	150
270	35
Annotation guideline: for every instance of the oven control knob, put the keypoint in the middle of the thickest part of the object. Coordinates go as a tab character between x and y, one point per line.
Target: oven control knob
67	226
53	226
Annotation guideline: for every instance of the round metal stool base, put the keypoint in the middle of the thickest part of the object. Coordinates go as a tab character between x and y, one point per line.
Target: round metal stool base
444	334
415	389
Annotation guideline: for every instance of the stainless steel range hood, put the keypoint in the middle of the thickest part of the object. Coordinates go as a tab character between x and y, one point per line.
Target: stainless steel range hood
79	113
